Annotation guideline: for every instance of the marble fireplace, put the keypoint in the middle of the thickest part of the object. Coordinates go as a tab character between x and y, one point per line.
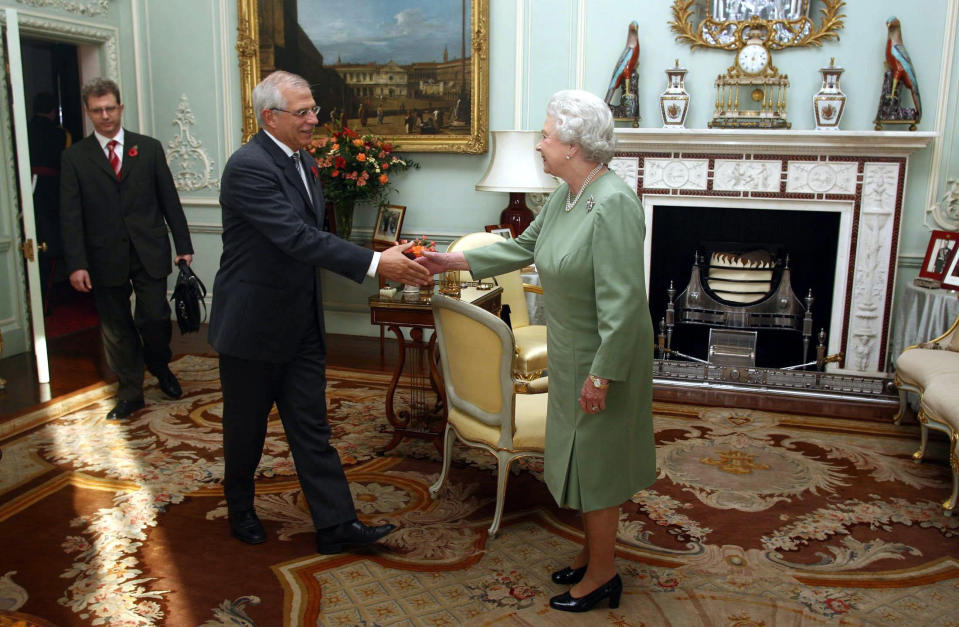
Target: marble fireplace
857	176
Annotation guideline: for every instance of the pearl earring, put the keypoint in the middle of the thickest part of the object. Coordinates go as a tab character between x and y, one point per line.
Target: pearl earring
567	157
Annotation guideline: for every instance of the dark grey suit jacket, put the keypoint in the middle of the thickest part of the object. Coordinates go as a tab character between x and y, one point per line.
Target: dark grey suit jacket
267	290
100	215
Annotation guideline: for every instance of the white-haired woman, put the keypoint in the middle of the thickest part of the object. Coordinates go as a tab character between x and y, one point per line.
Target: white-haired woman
587	244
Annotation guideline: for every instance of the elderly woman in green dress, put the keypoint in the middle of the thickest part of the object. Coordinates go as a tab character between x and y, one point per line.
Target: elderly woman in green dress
587	244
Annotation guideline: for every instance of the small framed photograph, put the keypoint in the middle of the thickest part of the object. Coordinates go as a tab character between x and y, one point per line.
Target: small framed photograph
940	252
503	230
950	279
389	222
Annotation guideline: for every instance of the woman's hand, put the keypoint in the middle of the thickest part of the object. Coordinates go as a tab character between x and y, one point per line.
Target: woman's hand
592	399
441	262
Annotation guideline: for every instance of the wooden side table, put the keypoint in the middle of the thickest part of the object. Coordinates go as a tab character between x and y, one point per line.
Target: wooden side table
419	416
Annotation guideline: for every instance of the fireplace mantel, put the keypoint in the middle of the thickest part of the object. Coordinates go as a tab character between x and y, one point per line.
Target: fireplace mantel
860	174
871	143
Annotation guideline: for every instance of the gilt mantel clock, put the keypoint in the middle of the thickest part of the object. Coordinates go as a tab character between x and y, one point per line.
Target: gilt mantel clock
752	92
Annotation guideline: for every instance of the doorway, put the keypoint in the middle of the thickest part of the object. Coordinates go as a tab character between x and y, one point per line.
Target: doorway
52	91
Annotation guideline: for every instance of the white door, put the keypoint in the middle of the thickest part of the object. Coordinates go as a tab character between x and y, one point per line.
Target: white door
21	249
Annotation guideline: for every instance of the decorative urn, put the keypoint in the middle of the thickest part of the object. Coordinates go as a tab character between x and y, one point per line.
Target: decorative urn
829	102
674	102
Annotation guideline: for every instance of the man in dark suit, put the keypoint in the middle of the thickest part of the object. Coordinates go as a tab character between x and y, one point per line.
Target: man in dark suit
267	316
117	198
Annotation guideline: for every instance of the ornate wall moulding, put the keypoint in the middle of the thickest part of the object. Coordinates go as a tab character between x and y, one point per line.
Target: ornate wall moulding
677	173
816	177
191	166
627	167
945	213
90	8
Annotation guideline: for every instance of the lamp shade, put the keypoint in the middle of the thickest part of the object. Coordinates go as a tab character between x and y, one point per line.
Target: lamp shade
516	166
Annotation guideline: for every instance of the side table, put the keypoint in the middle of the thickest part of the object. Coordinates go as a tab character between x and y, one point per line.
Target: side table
423	406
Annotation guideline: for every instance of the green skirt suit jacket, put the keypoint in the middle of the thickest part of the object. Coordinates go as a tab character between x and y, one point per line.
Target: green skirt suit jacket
590	263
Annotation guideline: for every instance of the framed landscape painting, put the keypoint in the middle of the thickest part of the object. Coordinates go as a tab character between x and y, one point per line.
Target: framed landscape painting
414	72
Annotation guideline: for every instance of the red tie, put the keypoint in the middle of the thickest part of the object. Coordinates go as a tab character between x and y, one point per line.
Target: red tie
114	158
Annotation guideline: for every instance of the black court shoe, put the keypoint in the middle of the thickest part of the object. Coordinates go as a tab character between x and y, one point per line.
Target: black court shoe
612	590
569	576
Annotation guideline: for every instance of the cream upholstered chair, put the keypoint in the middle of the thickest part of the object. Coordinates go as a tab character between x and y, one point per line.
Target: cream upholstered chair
939	410
917	365
476	352
530	360
931	369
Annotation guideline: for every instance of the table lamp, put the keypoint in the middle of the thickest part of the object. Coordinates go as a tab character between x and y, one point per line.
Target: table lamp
516	168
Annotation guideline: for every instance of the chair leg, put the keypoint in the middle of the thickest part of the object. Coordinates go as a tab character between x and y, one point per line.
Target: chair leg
903	401
503	461
949	506
923	441
449	439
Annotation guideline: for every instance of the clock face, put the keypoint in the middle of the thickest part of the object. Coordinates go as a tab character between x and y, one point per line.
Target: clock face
752	58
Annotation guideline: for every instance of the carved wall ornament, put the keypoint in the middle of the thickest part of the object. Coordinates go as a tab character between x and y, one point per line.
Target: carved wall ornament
192	168
676	173
811	177
627	168
945	214
747	176
78	33
90	8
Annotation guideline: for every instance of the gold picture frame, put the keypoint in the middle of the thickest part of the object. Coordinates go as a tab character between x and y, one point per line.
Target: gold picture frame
257	55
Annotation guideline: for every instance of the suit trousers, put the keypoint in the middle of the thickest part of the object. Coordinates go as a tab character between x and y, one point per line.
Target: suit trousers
130	341
298	387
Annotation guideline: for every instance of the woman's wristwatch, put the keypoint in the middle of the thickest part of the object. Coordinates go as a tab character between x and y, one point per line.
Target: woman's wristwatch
599	384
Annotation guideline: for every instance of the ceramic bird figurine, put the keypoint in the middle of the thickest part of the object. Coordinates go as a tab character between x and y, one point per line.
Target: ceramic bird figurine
901	65
626	64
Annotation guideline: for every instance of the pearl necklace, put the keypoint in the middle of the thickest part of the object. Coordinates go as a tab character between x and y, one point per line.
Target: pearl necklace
570	201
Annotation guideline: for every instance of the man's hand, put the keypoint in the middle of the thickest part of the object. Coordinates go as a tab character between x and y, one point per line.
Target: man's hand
187	258
441	262
394	265
80	280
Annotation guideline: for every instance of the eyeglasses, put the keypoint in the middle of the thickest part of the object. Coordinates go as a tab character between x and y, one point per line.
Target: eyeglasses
302	113
102	110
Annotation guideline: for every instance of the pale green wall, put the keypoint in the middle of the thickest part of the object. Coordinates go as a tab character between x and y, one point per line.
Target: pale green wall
171	48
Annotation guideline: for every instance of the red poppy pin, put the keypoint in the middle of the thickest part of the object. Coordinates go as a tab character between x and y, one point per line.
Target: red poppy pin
133	152
315	172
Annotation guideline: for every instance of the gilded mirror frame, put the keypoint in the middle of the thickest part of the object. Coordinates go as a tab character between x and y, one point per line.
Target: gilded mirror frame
778	34
475	141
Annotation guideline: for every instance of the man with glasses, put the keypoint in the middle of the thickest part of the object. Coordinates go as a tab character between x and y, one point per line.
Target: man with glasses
267	318
117	200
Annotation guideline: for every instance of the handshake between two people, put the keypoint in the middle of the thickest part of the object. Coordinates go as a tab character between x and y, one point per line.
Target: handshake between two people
396	265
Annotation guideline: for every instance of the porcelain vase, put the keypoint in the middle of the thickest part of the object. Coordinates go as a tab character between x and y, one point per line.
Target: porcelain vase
829	102
674	102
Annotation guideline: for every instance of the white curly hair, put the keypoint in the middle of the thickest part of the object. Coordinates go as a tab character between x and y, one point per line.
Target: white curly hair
582	118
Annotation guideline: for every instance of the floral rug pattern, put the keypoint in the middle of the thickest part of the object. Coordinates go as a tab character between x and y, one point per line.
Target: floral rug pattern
756	518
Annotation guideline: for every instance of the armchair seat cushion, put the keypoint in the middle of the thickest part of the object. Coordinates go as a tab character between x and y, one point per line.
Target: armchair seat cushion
940	400
530	348
918	366
530	433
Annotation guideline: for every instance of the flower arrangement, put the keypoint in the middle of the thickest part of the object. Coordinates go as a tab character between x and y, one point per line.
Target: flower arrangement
355	168
419	245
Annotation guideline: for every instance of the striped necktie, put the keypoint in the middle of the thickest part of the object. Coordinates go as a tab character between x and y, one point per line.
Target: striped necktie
299	170
113	156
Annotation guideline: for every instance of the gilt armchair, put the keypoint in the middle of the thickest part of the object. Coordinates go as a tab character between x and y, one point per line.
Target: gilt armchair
476	352
931	369
530	359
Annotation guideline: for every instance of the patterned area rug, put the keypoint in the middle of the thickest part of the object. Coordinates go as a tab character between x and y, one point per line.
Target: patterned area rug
756	519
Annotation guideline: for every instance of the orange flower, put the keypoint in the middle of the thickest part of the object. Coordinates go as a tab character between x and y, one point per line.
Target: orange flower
335	147
385	165
357	142
361	157
384	179
335	173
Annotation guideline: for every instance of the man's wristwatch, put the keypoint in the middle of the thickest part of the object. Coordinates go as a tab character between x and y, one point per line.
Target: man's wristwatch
599	384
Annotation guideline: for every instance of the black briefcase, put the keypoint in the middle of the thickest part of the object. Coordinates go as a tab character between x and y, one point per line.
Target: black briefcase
188	300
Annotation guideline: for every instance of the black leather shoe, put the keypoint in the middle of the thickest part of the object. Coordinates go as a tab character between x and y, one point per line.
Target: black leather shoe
612	590
169	384
246	527
569	576
125	408
349	535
